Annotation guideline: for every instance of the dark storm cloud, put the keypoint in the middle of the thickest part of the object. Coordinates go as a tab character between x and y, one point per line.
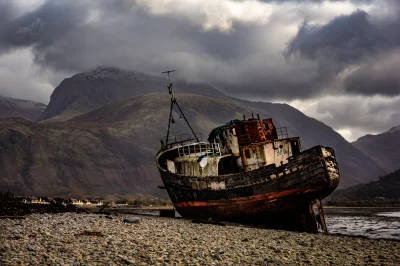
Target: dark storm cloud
222	46
42	27
345	39
63	37
378	76
351	40
6	15
6	12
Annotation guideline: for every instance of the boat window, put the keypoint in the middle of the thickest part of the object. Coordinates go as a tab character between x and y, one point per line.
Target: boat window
266	126
234	131
295	147
247	153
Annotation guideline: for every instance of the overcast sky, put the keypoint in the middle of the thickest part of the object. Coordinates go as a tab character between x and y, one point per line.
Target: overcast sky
337	61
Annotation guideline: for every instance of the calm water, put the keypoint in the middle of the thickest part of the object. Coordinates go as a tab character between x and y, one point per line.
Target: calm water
372	223
389	214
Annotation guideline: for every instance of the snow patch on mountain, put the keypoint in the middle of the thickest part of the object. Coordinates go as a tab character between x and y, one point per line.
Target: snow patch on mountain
22	104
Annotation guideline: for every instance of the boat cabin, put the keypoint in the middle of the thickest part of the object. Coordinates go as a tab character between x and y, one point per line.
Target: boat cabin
237	146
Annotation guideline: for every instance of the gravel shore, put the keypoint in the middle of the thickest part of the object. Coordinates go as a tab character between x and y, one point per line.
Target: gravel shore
90	239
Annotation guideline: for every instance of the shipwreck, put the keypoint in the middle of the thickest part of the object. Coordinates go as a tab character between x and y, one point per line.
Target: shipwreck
247	171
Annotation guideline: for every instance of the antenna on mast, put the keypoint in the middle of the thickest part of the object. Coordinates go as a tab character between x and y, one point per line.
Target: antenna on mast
169	80
173	101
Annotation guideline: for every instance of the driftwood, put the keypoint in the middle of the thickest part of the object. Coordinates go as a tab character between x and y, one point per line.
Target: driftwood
102	208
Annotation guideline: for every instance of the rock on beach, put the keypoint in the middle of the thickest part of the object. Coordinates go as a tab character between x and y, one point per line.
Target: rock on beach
90	239
132	220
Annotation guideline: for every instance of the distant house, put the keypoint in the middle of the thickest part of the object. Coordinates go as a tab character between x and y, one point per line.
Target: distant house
96	202
42	201
84	202
75	201
35	200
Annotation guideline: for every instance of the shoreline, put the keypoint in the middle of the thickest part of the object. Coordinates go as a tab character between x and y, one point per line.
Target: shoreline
80	238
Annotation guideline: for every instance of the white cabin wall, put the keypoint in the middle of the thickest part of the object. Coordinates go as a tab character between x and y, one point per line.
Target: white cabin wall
189	166
257	157
275	154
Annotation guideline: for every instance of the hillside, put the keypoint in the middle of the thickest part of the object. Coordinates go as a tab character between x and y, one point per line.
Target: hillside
112	149
90	90
385	191
10	107
382	148
67	159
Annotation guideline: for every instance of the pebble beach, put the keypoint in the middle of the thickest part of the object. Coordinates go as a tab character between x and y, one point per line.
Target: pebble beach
91	239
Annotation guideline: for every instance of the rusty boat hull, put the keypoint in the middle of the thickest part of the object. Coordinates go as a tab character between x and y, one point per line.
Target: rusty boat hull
278	197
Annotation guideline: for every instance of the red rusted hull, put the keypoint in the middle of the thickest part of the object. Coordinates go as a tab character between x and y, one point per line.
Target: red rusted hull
277	197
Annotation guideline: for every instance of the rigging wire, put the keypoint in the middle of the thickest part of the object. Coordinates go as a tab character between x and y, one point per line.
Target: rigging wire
174	102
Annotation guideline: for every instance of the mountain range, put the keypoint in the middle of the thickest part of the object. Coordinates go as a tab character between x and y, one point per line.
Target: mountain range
100	133
10	107
382	148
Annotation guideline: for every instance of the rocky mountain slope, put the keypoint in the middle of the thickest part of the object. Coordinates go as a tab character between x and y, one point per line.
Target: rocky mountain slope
382	148
10	107
90	90
112	149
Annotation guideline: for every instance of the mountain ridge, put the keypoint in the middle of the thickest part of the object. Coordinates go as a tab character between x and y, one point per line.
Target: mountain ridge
382	148
87	91
386	188
12	107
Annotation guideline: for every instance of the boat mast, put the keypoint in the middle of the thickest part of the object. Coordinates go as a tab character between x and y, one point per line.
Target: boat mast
173	101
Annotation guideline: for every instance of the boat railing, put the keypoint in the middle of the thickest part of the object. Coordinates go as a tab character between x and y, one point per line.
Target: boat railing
181	139
199	149
282	132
